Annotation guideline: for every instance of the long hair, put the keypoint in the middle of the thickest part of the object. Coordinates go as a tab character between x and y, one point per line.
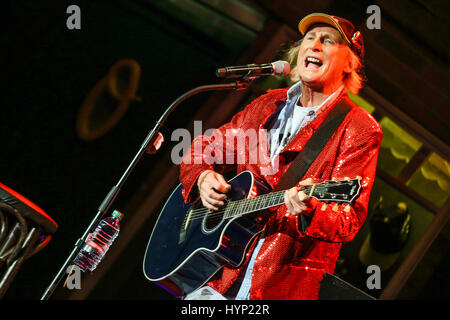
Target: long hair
353	80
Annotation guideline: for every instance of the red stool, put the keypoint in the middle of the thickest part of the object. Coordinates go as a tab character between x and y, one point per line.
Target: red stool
30	234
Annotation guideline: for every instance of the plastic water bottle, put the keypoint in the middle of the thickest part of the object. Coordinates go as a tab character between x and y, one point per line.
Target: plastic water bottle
98	242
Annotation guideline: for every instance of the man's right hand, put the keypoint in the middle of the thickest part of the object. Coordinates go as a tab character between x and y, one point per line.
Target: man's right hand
212	187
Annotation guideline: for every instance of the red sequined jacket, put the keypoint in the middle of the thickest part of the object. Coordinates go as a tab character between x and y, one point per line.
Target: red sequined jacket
291	263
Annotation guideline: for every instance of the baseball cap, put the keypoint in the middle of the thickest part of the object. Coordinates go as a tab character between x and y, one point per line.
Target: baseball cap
347	30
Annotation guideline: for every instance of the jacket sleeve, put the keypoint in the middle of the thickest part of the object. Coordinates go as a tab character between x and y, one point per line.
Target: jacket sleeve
357	158
211	152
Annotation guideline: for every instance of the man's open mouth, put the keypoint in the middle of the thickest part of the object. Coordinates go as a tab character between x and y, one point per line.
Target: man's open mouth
313	61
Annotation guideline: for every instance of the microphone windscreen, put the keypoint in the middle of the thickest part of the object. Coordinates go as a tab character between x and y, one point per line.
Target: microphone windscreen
281	68
221	72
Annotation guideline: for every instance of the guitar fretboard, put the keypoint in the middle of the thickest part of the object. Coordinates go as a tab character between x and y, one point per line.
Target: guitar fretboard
335	191
261	202
265	201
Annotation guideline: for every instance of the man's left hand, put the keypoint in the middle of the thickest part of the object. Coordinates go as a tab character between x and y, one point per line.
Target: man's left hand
296	200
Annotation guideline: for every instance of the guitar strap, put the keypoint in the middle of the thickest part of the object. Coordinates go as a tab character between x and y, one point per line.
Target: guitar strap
310	151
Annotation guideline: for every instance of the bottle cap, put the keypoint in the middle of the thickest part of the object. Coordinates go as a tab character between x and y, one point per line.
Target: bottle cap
117	214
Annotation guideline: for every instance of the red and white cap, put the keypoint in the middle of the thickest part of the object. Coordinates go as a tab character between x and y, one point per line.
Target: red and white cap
347	30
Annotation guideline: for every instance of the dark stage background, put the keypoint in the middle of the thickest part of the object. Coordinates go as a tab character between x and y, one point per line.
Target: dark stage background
48	70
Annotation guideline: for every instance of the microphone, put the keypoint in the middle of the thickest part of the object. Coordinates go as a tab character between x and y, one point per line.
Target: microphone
252	71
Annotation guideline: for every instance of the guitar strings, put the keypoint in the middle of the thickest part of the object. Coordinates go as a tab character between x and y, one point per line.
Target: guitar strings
241	204
202	212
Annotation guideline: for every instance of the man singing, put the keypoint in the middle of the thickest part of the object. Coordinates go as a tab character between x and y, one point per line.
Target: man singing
288	262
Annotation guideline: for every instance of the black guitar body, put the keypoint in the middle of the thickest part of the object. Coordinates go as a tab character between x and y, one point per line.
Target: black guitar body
180	259
189	244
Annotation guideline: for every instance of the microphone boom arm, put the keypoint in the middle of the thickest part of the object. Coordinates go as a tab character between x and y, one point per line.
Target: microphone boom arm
113	193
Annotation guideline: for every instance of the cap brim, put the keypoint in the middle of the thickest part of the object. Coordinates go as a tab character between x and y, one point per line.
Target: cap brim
315	18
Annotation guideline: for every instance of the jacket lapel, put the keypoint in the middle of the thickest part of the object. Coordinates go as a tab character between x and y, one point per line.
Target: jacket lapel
304	134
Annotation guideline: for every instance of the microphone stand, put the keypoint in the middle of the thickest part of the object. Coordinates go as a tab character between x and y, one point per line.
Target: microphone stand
150	145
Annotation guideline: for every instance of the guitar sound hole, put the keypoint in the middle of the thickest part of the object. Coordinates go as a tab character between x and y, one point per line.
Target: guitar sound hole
213	219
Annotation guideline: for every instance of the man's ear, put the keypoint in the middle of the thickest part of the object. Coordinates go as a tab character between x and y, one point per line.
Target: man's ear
348	67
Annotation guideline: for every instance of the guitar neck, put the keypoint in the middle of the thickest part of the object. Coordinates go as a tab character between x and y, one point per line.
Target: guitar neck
338	191
265	201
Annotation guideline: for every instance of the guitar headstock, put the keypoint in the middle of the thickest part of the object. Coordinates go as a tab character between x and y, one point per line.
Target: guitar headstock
336	191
